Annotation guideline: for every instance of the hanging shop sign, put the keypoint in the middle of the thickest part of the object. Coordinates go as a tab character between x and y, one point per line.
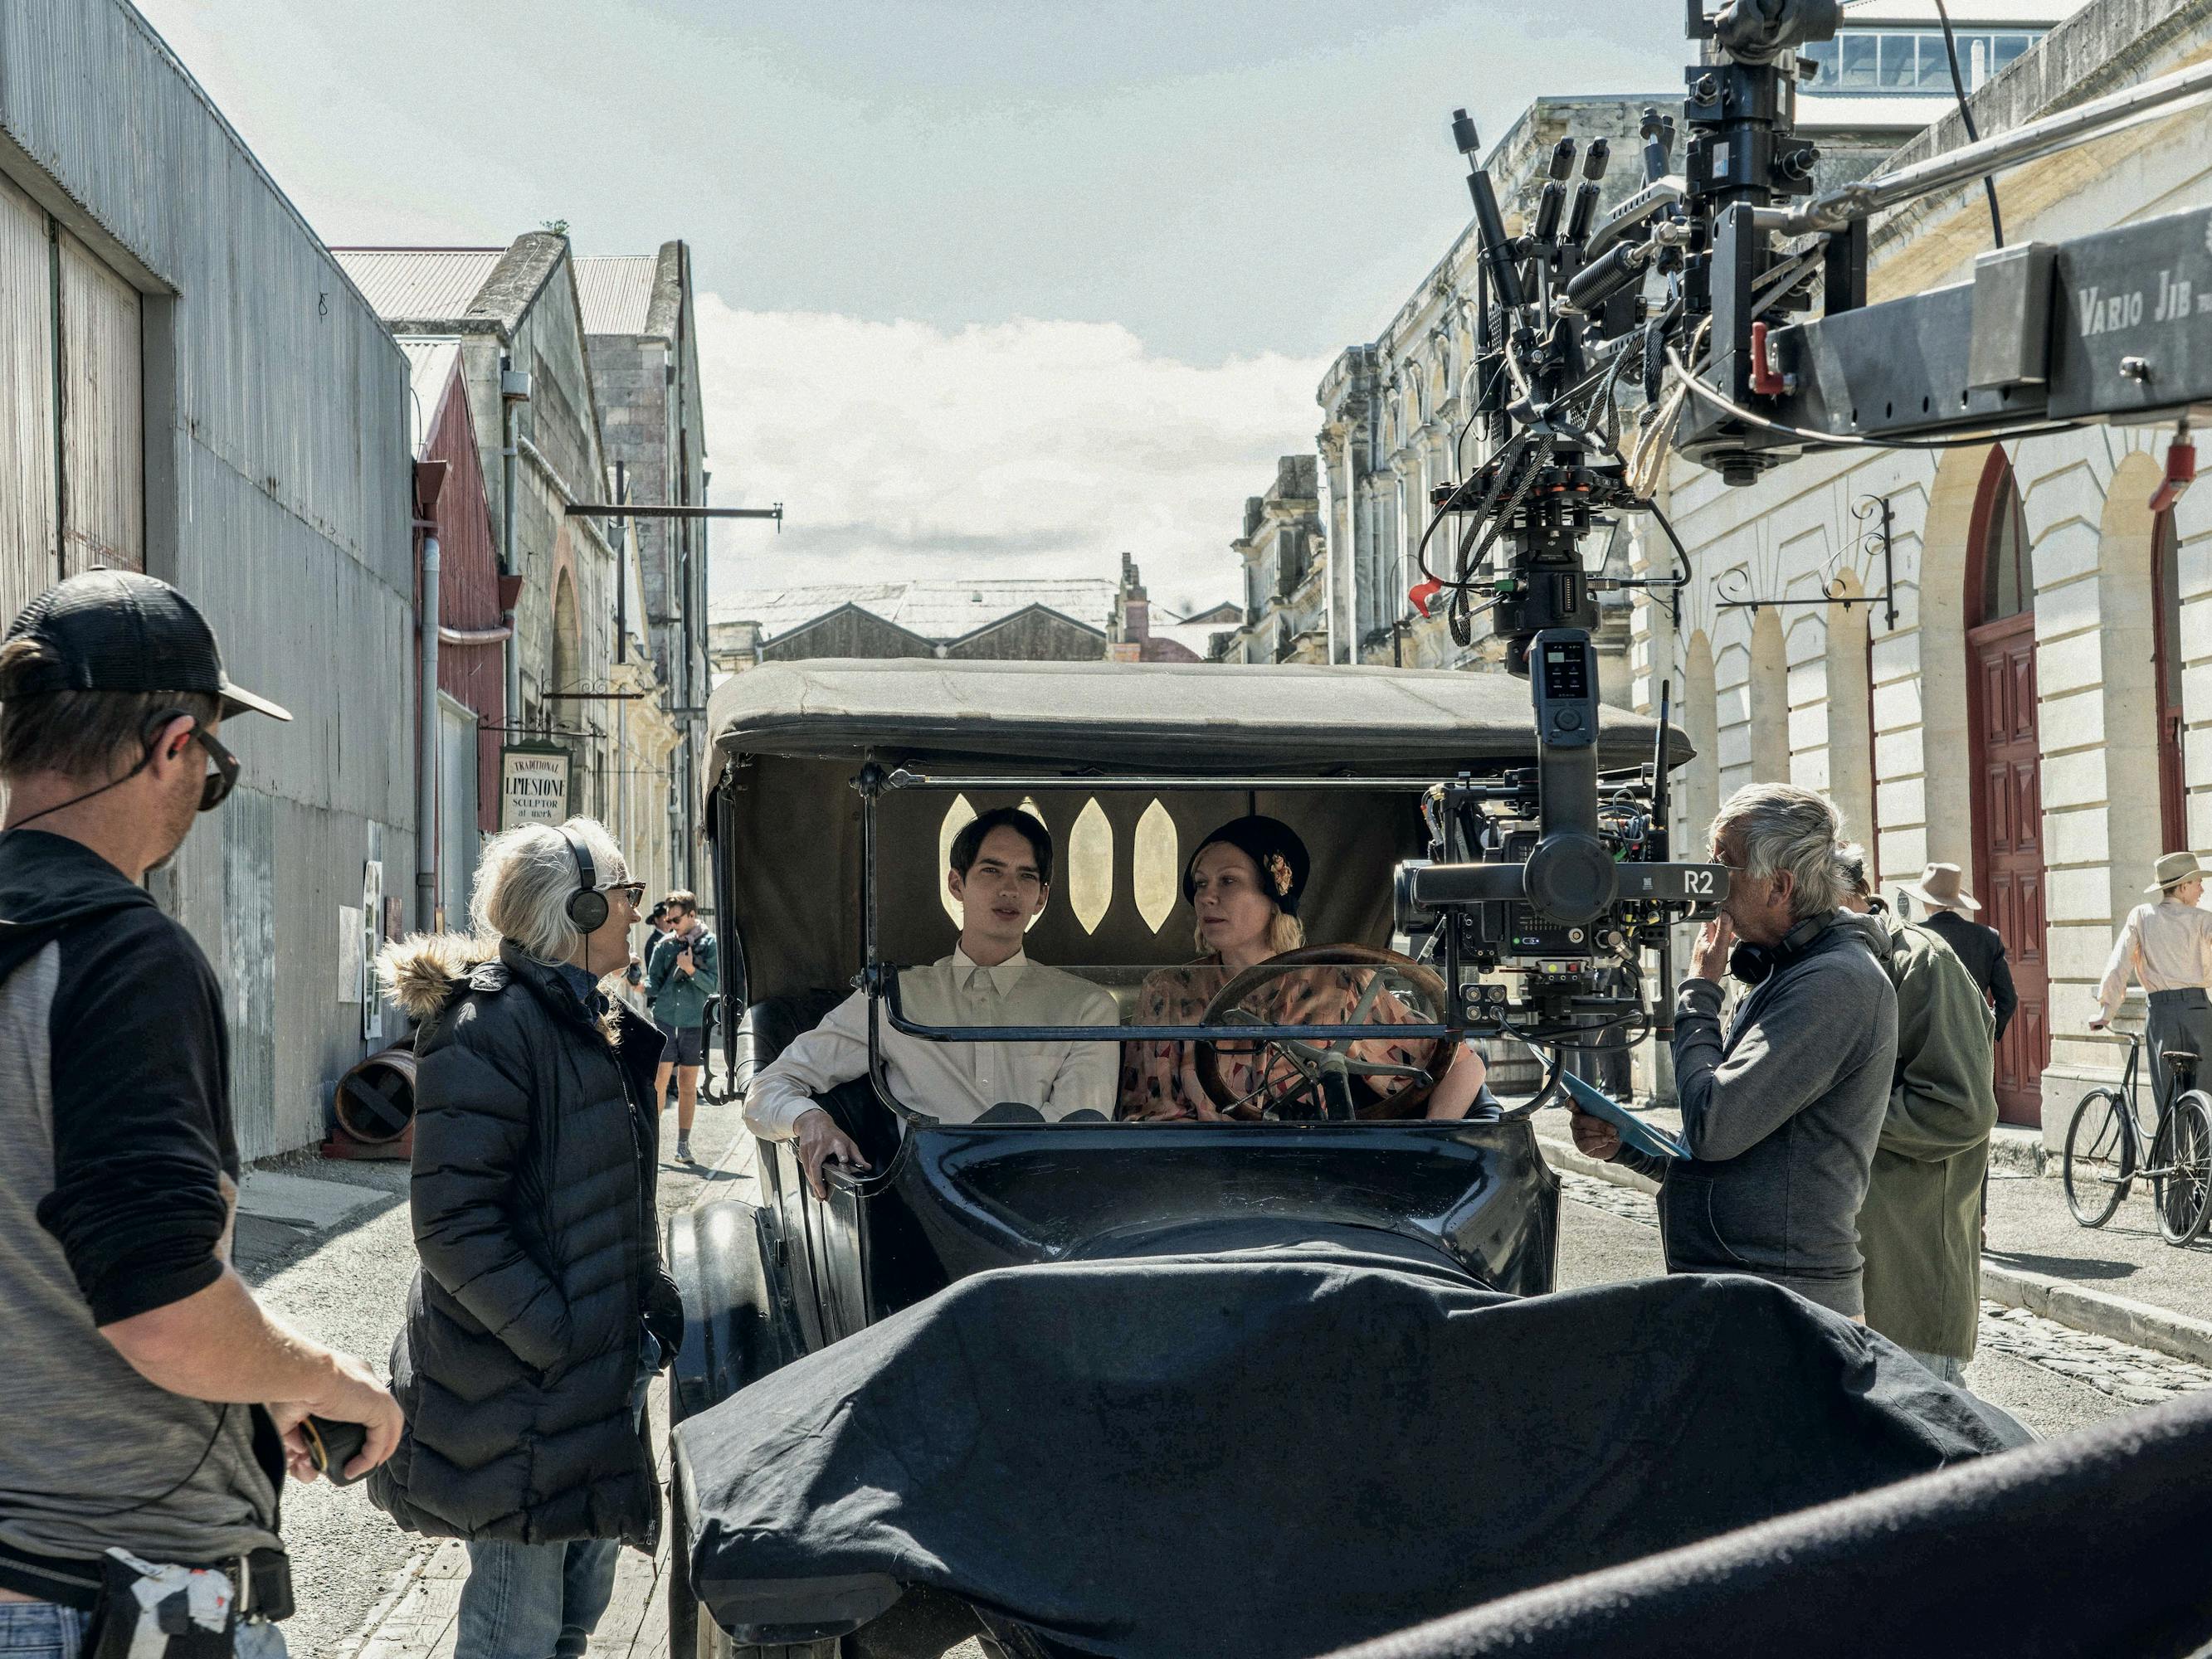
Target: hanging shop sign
535	782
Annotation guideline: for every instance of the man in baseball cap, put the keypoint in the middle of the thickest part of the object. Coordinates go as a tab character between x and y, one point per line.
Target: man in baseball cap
137	1360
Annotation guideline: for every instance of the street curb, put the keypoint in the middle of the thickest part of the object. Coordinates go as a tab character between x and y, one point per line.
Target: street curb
2099	1313
2094	1313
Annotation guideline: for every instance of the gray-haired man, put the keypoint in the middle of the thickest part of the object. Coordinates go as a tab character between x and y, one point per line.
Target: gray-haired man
1781	1115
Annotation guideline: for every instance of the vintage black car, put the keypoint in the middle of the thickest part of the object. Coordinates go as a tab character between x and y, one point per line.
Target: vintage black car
839	785
1375	1414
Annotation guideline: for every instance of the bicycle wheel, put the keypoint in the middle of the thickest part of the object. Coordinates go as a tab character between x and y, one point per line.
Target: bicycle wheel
2185	1154
2100	1157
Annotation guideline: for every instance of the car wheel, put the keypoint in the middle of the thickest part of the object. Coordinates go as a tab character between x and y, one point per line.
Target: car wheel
684	1623
714	1645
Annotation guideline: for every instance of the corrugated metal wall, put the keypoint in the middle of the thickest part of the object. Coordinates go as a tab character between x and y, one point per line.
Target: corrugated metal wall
276	457
28	560
103	415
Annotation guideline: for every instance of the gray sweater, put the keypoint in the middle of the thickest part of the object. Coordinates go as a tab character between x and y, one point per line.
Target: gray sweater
1781	1118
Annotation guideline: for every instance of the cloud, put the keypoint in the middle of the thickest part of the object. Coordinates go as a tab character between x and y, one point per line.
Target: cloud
1020	448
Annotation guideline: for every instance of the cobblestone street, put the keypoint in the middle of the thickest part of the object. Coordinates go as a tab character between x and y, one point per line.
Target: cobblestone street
2124	1376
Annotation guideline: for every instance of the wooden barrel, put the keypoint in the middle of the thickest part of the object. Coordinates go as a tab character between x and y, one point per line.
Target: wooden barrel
374	1102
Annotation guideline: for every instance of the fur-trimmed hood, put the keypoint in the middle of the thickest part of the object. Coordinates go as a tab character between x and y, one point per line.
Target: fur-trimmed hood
423	972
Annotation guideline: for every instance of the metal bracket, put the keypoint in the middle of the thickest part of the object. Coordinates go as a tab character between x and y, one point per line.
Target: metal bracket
1876	539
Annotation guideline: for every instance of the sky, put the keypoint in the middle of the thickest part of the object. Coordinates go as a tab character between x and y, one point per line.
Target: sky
1001	288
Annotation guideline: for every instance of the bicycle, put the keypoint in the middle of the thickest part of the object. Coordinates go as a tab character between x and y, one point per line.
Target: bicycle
2103	1145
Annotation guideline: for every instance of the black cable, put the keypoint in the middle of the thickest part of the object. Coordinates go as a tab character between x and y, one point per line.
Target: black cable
1958	87
77	801
1831	439
1681	559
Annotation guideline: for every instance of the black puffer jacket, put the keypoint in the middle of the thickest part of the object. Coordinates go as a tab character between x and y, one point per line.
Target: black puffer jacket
541	1272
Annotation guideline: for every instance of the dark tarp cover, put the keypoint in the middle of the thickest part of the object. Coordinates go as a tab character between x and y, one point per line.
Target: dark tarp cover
2089	1547
1283	1450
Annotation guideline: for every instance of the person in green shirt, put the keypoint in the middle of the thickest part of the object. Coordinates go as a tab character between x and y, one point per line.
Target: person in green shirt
1920	1227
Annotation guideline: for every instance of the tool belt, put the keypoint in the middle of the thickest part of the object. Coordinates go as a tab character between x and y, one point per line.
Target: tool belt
165	1610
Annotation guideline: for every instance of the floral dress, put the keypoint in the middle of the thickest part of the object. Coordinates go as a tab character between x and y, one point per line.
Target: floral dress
1153	1072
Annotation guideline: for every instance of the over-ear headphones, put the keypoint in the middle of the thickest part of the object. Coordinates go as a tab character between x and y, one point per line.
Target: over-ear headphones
1754	963
587	906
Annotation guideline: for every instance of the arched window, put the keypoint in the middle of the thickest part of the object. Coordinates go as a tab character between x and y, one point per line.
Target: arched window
2166	620
2007	585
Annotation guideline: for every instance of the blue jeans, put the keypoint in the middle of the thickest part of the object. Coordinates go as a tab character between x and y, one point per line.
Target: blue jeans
533	1601
540	1601
43	1630
1946	1369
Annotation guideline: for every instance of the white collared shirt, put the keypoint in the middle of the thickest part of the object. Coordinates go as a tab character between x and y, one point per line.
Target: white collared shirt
2167	945
956	1082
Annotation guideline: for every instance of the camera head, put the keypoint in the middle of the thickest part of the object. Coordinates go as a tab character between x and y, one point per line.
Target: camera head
1760	31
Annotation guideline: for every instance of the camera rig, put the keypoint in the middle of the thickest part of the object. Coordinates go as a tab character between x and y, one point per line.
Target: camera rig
1689	306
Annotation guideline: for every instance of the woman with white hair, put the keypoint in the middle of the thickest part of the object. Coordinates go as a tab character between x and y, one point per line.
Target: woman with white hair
541	1309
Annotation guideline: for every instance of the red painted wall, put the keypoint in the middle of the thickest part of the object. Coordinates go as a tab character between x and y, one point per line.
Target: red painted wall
468	587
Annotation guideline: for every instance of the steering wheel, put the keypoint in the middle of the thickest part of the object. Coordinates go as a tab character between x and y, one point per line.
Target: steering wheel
1320	1072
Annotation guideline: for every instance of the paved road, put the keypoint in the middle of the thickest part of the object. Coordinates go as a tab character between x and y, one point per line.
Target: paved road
349	1289
2051	1378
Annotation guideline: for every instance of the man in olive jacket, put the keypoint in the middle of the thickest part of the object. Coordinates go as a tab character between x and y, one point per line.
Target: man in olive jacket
1920	1227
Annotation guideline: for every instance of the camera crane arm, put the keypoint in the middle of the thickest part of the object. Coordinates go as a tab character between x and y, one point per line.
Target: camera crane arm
1540	878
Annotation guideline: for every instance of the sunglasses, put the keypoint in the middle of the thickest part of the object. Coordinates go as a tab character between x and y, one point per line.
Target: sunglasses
224	779
634	890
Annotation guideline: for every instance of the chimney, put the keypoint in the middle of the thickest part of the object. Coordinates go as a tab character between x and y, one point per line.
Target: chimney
1133	610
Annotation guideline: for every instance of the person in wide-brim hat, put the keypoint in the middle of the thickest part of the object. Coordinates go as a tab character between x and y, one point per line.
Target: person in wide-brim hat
1942	887
2175	870
2166	947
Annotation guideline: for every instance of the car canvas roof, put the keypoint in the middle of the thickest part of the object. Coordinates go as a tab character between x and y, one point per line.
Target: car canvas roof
1224	717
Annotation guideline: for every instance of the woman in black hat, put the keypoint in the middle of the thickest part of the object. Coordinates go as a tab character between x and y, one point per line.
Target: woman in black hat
1244	884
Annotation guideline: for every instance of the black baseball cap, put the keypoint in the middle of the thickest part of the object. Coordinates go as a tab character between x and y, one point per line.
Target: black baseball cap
117	630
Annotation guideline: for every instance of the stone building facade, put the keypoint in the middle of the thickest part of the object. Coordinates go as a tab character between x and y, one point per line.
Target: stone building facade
1285	571
1395	409
2038	707
643	338
520	308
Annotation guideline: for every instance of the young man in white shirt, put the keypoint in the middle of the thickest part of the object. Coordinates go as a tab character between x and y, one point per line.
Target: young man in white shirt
2168	947
1001	876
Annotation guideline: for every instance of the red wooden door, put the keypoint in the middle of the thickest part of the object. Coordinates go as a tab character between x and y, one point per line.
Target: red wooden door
2009	842
2166	635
